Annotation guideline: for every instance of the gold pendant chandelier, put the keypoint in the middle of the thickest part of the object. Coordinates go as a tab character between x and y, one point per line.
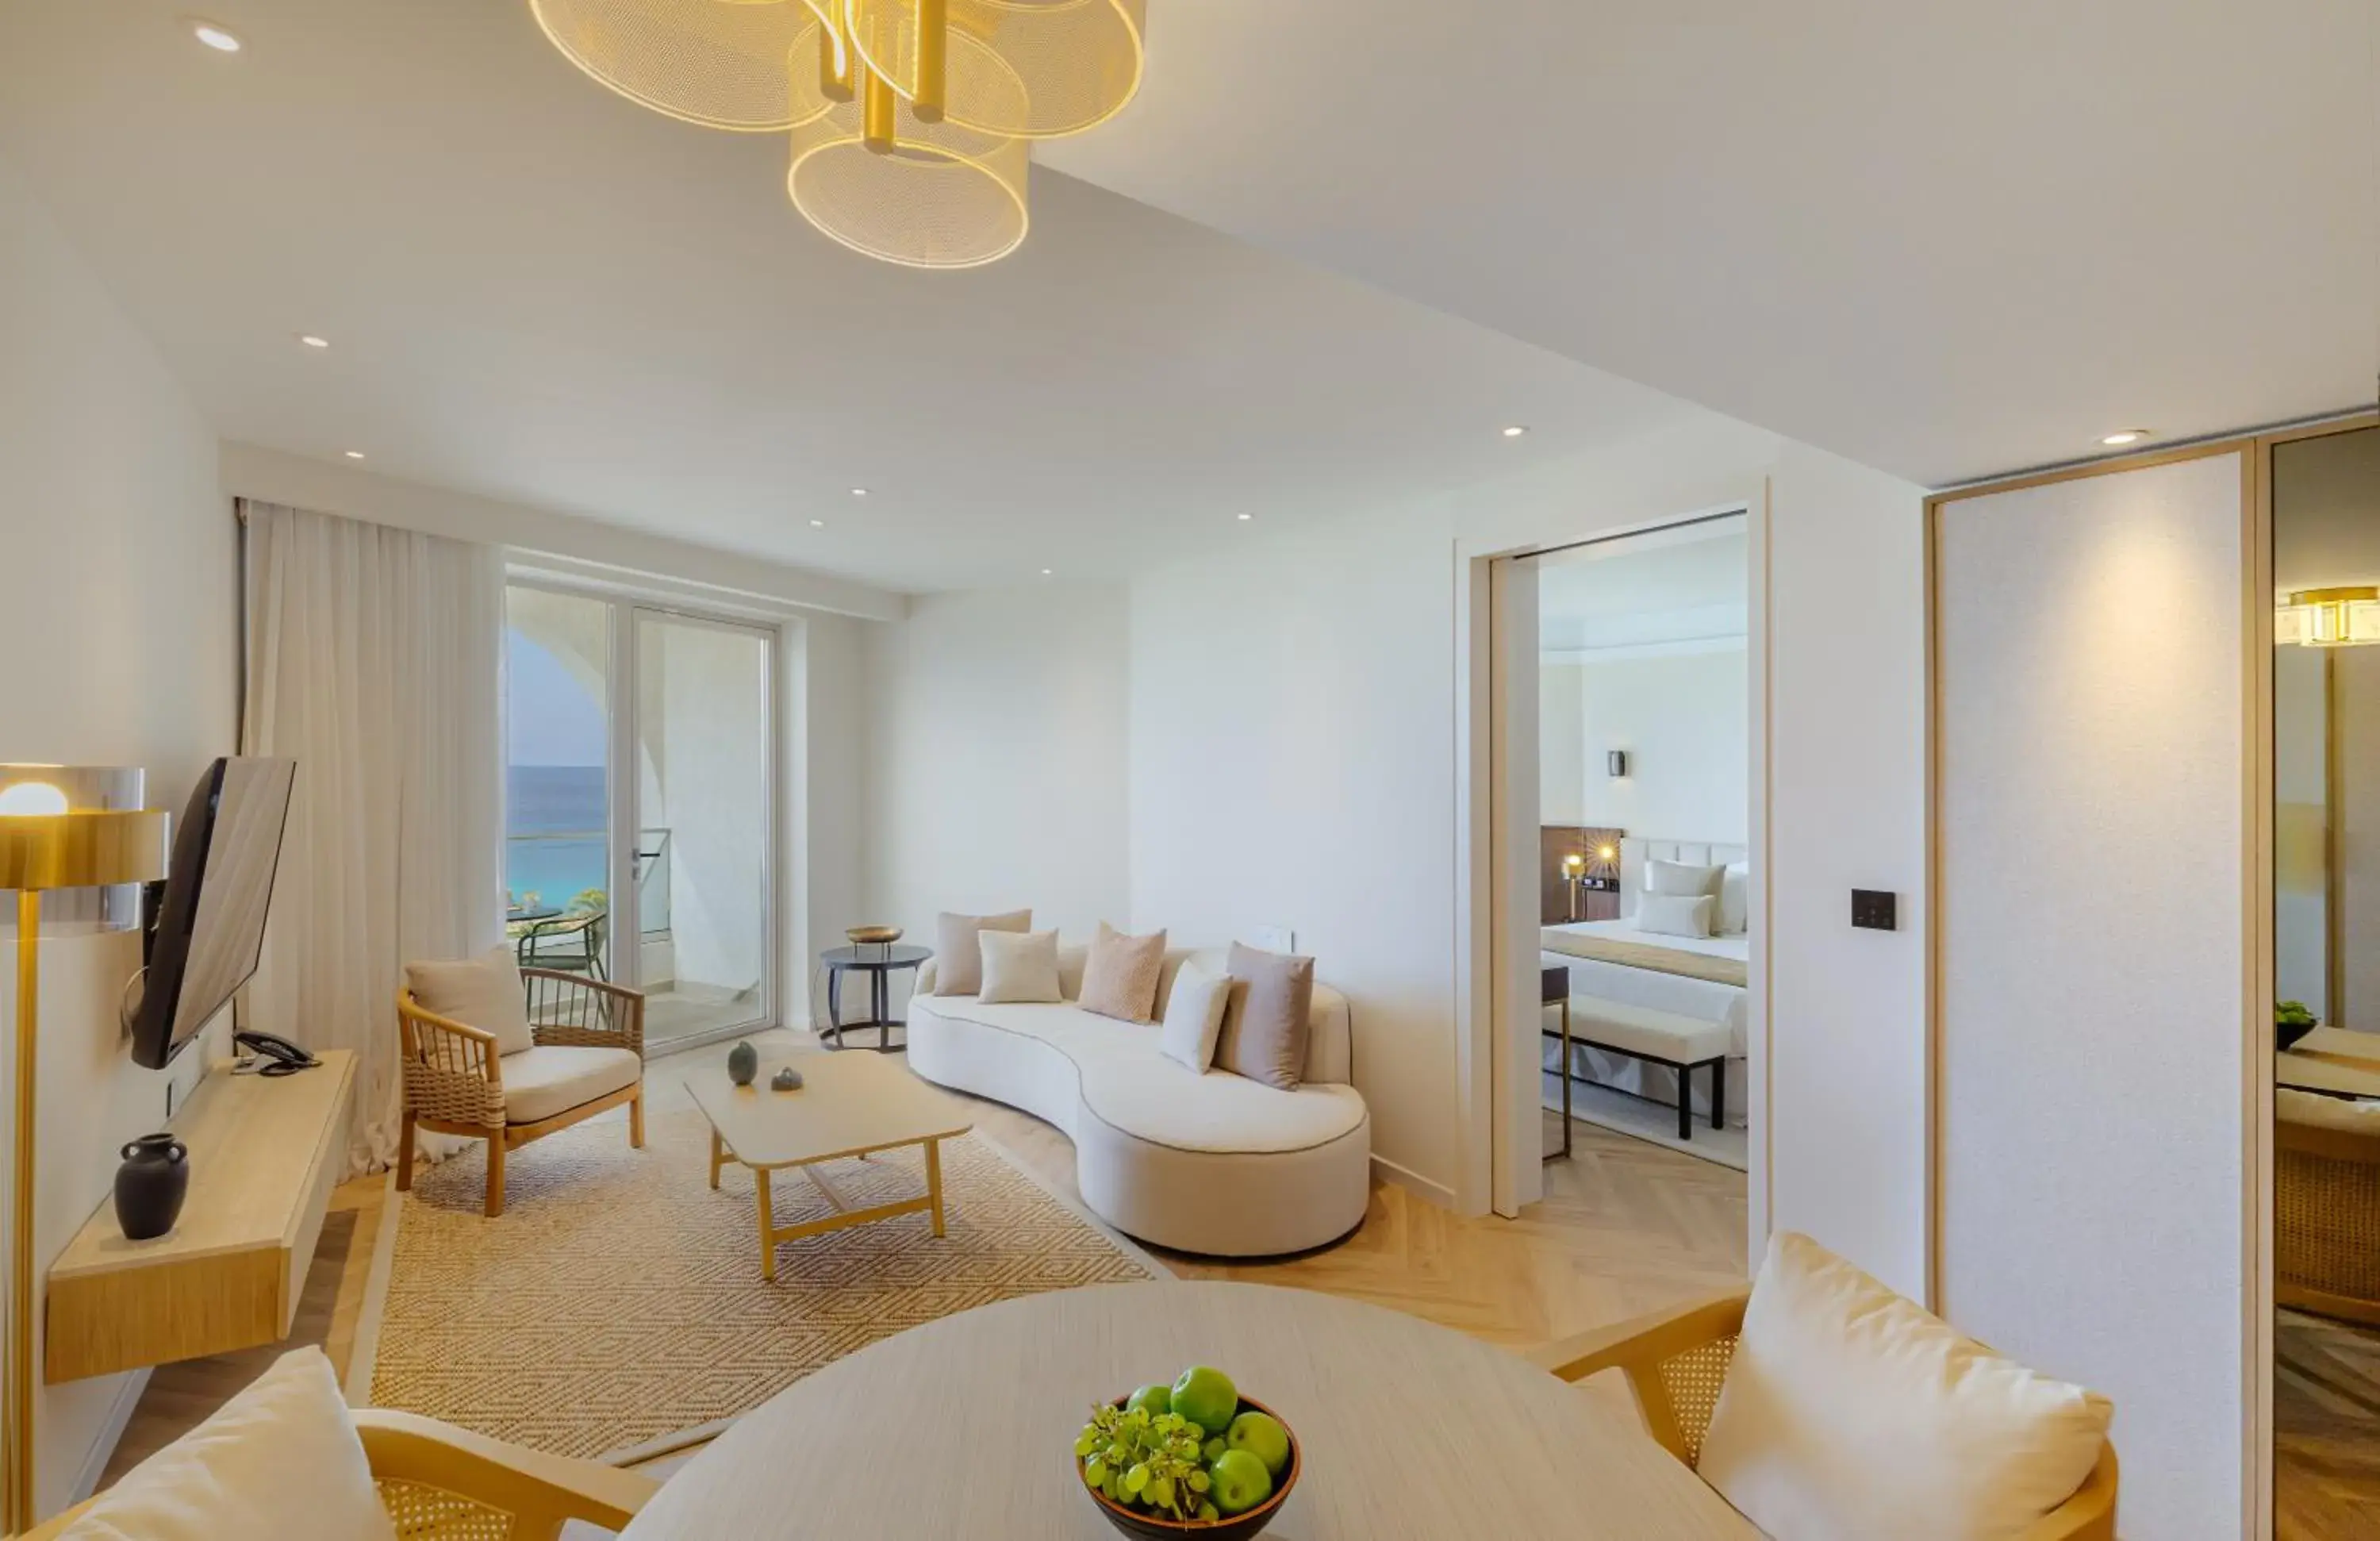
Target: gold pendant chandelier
910	120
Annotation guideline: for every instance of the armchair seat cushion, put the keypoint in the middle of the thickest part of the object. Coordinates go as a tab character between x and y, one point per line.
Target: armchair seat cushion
550	1079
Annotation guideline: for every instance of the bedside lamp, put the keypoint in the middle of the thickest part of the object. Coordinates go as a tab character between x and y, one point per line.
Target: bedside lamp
47	843
1573	869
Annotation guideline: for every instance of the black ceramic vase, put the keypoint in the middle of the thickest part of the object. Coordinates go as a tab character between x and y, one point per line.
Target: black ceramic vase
151	1184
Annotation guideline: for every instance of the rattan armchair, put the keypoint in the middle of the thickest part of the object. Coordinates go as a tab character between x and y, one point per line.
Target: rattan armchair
440	1483
2326	1207
454	1075
1675	1361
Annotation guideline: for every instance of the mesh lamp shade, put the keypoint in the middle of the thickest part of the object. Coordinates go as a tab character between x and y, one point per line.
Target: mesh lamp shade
1078	60
717	62
926	195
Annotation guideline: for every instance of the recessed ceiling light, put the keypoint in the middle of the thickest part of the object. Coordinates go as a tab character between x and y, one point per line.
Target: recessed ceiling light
818	524
1045	572
859	492
1246	517
355	454
2124	436
1515	430
311	341
222	40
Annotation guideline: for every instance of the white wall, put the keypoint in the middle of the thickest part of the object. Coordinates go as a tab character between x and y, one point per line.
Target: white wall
2091	781
1683	721
1562	744
117	556
823	719
997	774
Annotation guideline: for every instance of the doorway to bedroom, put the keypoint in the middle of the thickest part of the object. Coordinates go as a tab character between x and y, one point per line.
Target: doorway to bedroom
1644	873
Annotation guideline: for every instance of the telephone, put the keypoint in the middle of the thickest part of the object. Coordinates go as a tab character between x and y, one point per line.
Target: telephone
275	1056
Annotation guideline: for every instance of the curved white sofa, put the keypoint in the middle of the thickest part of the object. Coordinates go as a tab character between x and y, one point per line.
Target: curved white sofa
1215	1163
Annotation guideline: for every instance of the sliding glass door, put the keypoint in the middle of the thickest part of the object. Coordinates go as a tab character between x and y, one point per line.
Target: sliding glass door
640	815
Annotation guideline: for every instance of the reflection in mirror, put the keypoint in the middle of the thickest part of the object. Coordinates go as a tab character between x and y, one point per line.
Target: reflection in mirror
2327	982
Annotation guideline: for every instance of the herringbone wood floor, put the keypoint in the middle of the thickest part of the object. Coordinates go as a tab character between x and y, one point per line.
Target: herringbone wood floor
1625	1227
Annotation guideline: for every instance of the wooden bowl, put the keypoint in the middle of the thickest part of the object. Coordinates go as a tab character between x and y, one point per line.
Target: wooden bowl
2287	1033
873	935
1143	1527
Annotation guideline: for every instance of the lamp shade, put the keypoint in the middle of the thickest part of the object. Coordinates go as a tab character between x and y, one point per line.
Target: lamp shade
82	848
717	62
872	174
1079	60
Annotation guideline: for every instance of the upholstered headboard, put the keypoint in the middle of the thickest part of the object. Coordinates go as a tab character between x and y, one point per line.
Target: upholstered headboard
1635	853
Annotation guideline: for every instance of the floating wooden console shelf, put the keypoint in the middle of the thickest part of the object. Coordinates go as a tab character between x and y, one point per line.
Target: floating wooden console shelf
264	1155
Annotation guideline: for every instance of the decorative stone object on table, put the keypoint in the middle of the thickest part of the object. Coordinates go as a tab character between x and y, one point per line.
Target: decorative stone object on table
743	1063
150	1185
787	1079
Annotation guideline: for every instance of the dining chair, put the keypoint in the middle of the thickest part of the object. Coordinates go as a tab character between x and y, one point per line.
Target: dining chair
572	944
1676	1360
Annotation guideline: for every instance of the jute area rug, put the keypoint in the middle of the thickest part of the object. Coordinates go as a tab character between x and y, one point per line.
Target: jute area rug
616	1307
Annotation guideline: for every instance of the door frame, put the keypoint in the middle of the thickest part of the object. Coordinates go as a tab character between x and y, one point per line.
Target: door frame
624	603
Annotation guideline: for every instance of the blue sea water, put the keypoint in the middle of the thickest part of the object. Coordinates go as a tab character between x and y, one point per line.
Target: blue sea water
548	801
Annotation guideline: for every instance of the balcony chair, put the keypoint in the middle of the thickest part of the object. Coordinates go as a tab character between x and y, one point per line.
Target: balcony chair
573	944
585	1055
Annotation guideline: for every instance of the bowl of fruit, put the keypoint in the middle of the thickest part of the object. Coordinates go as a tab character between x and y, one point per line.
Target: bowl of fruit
1192	1459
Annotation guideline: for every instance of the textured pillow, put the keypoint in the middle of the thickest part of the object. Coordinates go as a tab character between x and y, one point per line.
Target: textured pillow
281	1458
484	993
1019	969
1194	1016
954	946
1267	1027
1848	1414
1682	878
1674	915
1120	977
1735	899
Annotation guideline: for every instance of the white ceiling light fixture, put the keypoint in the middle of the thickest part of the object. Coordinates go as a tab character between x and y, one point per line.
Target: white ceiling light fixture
2123	436
859	492
1515	430
1246	517
1046	571
222	39
818	524
355	454
311	341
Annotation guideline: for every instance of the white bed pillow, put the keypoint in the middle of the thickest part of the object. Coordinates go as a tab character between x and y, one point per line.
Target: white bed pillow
281	1458
1194	1016
1735	899
1848	1414
1675	915
1019	968
1682	878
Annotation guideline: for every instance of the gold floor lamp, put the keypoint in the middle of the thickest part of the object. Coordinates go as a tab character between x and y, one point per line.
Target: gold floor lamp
46	844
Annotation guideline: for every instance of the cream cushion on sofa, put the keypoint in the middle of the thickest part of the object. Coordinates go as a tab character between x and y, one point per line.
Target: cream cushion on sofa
281	1458
1019	965
1848	1414
554	1078
483	992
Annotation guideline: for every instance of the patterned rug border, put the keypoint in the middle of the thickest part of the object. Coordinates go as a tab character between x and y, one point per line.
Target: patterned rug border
364	1357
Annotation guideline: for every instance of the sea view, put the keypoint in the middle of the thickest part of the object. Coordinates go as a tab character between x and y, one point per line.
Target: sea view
553	827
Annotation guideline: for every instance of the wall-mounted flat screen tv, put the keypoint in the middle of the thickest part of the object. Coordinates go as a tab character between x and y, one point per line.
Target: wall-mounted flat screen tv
209	923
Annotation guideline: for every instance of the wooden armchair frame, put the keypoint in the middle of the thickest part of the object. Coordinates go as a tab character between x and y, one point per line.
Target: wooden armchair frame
455	1082
441	1483
1676	1359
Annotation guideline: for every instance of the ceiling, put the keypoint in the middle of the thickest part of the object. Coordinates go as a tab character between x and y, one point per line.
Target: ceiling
1944	239
536	291
1667	590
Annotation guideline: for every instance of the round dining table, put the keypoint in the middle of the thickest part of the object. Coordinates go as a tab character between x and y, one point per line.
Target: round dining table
964	1430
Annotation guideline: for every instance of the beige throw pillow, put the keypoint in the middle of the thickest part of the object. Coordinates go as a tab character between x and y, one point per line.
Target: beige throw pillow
1120	978
281	1458
1848	1414
954	948
1268	1025
1019	969
1194	1016
484	992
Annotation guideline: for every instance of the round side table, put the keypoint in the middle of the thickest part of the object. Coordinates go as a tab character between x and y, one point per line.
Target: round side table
878	962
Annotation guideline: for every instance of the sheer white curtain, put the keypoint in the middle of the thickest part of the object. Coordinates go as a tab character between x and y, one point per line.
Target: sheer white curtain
373	661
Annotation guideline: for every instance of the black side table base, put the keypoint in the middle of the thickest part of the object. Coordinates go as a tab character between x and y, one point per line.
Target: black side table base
878	964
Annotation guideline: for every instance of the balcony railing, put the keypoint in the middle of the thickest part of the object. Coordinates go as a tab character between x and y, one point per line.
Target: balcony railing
571	869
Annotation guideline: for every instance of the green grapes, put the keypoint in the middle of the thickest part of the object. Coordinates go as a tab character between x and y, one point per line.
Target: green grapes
1154	1460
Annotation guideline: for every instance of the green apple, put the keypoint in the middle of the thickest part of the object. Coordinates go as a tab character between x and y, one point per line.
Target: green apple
1206	1397
1153	1400
1262	1437
1241	1482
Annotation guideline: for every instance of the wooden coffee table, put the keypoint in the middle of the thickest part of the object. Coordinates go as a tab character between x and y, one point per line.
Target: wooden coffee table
850	1105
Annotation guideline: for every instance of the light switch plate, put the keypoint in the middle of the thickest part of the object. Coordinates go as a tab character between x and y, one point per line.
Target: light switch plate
1876	909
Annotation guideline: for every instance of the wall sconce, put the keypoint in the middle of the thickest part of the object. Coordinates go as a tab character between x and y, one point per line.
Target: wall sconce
2345	617
1616	762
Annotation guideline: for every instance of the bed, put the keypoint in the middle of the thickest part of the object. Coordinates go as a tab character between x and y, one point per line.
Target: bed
1704	979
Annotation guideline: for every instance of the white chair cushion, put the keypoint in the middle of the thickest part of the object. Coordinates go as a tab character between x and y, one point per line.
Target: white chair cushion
483	992
281	1458
554	1078
1684	1041
1851	1414
2347	1114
